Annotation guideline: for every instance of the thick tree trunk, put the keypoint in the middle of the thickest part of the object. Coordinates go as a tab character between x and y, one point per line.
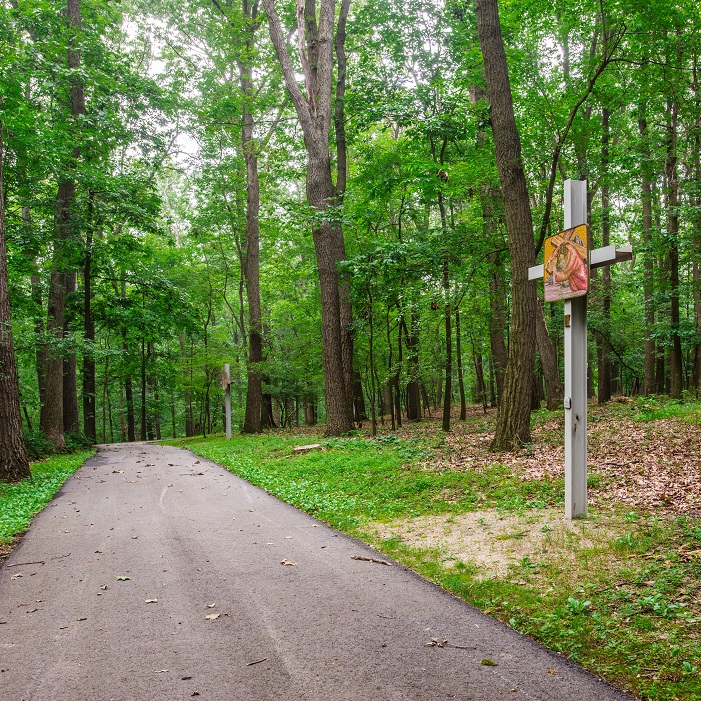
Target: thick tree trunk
554	391
316	47
89	383
252	422
513	421
13	457
63	235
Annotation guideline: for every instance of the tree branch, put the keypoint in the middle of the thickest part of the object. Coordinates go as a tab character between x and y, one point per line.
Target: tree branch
606	59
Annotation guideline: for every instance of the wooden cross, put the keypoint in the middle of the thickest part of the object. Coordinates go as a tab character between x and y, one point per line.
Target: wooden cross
575	401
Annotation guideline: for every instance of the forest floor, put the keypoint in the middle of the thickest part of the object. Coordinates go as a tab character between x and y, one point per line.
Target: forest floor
618	591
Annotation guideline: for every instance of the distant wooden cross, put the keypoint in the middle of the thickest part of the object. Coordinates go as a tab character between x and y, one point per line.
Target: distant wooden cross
575	318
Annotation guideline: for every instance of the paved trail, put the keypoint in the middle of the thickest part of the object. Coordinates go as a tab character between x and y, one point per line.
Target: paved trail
193	540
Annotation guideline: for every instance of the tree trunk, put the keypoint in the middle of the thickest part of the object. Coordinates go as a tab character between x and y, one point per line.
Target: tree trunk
314	112
448	315
411	339
13	457
458	353
41	350
252	422
513	421
89	387
696	203
603	351
63	235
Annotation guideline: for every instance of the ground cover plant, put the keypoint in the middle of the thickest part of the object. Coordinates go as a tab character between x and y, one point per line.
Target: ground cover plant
21	501
619	591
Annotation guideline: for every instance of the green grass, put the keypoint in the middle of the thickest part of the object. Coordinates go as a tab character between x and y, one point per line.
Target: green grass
626	606
355	480
20	502
656	408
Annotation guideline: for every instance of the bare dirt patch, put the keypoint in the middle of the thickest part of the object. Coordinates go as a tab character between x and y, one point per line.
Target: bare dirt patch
495	542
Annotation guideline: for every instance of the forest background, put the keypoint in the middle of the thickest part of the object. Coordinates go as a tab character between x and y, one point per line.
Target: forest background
178	195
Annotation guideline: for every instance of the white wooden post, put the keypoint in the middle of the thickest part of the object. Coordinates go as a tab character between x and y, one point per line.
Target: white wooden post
575	372
226	384
576	356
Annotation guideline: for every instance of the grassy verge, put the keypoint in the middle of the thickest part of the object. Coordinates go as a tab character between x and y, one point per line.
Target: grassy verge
619	592
20	502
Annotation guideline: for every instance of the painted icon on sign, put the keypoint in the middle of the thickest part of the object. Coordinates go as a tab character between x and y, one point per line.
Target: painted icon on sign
566	267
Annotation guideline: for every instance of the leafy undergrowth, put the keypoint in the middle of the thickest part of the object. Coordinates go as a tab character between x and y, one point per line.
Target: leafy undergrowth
621	595
20	502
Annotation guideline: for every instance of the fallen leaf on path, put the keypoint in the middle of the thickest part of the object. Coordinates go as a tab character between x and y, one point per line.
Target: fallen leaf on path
120	578
488	663
211	606
104	587
553	670
16	575
288	563
117	472
195	693
212	616
151	601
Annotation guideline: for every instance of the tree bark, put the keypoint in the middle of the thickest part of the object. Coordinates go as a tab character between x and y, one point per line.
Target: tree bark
13	457
513	421
254	392
458	354
89	382
314	113
64	233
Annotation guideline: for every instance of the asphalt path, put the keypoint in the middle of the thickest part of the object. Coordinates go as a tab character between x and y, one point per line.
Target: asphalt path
156	575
